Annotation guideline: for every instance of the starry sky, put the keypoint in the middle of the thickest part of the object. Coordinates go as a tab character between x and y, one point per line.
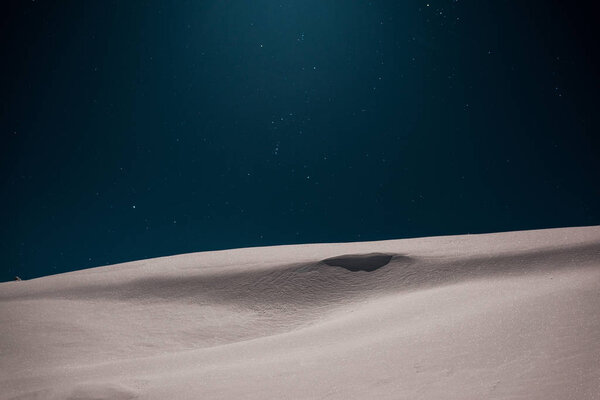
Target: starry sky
137	129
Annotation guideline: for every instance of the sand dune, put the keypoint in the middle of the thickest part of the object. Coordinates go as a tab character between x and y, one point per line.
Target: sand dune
499	316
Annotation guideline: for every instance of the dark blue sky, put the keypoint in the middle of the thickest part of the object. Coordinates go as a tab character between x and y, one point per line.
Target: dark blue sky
136	129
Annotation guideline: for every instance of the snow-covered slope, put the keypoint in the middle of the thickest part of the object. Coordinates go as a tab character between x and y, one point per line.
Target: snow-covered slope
498	316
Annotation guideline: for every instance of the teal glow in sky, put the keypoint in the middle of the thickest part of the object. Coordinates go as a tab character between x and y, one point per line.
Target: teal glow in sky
140	129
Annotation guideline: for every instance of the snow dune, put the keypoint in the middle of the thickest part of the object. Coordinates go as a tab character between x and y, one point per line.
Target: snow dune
498	316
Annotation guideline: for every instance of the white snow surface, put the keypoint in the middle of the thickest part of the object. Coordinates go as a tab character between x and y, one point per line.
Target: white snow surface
511	315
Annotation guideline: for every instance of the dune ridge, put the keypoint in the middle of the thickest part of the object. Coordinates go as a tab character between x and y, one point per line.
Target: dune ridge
507	315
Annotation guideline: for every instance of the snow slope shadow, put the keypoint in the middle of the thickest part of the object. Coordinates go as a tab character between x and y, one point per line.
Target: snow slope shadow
360	262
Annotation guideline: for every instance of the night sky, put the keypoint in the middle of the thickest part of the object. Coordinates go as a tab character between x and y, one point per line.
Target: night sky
137	129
